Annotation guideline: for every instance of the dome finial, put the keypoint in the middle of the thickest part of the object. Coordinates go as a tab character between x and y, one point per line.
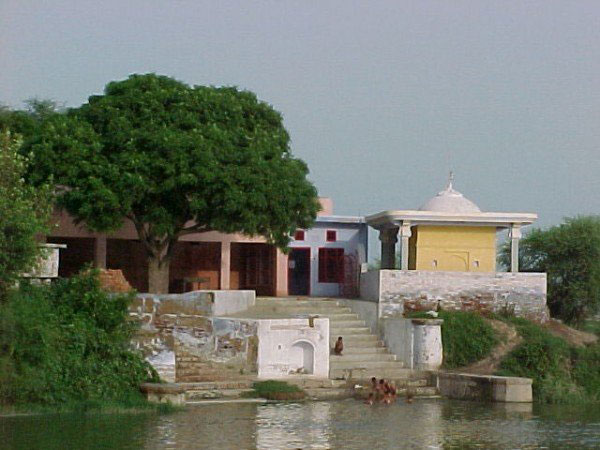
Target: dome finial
449	186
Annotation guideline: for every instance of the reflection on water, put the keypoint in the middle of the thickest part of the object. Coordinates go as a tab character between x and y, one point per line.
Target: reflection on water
434	424
293	425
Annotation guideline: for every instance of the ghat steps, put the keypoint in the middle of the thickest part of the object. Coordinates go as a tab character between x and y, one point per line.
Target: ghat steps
364	355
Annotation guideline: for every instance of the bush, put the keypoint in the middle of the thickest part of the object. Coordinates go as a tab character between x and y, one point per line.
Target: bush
586	370
68	342
277	390
466	337
560	374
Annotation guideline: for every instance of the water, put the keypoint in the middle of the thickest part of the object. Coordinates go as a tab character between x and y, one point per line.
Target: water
345	424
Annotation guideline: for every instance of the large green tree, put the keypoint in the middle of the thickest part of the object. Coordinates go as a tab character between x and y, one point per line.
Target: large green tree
174	160
570	254
24	214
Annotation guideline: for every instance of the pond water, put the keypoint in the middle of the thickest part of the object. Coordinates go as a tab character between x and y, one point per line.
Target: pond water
347	424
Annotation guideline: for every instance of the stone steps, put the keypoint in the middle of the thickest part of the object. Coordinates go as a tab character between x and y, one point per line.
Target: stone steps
362	364
361	373
357	357
368	350
346	323
334	318
204	394
348	330
356	340
299	311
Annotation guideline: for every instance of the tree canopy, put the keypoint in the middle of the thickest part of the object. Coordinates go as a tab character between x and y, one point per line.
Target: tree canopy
24	213
570	254
175	159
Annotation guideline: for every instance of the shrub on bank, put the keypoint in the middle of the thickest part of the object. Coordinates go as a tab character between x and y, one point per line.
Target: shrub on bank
466	337
560	373
69	342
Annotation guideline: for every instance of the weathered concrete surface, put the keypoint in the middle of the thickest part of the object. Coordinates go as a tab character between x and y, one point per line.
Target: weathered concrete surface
491	388
293	346
164	393
182	339
47	265
370	285
416	342
524	294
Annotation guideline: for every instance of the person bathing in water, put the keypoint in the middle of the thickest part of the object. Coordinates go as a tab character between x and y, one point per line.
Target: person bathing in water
339	347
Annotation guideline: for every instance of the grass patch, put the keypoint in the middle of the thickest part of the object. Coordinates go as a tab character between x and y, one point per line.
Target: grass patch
276	390
560	373
591	326
131	404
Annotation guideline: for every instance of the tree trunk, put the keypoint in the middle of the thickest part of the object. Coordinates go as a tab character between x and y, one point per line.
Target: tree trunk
158	275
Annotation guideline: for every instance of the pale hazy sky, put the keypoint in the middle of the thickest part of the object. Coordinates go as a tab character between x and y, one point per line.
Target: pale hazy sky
381	98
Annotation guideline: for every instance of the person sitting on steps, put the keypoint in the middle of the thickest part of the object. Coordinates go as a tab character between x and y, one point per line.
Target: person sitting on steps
339	347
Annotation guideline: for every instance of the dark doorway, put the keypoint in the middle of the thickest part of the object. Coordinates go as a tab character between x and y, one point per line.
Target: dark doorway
299	271
253	268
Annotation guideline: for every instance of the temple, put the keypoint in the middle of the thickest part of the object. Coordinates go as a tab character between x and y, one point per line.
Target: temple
448	233
448	260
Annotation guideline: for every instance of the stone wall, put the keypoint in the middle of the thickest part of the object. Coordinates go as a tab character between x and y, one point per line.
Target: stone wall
47	264
414	290
180	336
369	285
463	386
290	347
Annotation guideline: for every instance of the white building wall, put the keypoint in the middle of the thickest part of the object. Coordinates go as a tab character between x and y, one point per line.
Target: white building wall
288	347
352	237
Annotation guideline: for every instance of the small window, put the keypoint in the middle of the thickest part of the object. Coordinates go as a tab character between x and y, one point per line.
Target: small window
299	235
331	235
331	265
476	263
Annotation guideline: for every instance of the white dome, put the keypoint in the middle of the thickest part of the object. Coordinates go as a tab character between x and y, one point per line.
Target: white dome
450	201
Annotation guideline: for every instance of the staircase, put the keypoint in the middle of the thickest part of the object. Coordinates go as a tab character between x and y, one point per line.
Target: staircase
364	355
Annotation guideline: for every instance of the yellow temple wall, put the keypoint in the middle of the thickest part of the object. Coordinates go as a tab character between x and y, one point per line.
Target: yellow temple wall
453	248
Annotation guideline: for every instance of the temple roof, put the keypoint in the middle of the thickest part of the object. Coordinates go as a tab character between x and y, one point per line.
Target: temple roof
449	207
450	201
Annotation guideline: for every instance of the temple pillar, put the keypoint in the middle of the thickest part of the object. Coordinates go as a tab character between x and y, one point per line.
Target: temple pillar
405	234
388	238
225	273
100	252
515	236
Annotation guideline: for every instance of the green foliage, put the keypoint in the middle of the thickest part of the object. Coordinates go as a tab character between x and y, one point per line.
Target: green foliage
277	390
570	254
175	160
69	342
24	213
592	326
560	374
466	337
541	353
586	369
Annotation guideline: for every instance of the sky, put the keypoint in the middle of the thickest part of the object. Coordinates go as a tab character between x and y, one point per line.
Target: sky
381	98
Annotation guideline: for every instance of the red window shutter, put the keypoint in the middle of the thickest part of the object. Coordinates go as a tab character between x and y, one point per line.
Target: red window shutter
331	265
299	235
331	235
